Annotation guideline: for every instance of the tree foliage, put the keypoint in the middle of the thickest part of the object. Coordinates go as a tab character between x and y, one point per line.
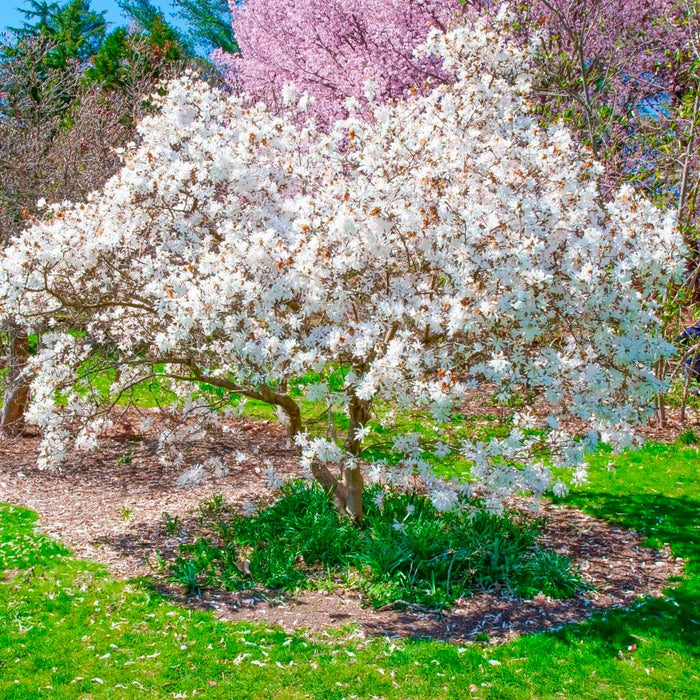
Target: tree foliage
150	19
209	24
73	29
619	74
62	119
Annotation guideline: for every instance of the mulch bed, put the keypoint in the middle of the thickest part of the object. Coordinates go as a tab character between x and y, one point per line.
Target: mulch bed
112	512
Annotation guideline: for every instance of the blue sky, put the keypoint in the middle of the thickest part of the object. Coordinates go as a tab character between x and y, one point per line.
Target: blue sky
11	17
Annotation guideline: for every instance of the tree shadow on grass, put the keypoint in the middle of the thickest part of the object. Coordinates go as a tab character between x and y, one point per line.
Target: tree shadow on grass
663	520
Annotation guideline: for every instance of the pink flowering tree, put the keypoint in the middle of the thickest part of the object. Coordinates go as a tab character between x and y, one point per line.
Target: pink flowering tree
617	73
444	243
332	49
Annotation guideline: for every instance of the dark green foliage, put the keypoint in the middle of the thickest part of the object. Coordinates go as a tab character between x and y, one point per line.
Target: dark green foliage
126	58
549	573
173	525
71	97
144	12
688	437
187	573
112	64
209	22
276	566
151	20
73	27
406	553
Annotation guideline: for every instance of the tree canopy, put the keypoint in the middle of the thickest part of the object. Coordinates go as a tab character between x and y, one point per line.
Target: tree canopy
424	246
74	29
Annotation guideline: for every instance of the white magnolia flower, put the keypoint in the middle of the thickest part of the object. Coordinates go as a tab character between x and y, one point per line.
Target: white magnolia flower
249	509
273	480
450	244
560	489
192	476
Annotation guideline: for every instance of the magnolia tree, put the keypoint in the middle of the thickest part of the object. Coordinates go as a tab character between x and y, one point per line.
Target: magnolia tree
448	242
330	48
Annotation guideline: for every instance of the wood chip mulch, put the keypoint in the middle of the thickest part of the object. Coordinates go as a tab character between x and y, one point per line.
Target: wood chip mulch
110	511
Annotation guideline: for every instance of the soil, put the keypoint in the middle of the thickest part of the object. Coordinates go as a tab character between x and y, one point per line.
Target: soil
109	506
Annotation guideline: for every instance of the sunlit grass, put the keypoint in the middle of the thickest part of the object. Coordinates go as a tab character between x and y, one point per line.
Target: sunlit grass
67	630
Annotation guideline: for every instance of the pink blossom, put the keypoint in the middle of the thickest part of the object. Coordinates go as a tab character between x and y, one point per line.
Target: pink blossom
330	49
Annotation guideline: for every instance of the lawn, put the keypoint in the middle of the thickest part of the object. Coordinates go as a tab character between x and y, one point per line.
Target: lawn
68	630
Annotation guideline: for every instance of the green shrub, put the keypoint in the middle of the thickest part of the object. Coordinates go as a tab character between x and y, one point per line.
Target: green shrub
406	552
550	573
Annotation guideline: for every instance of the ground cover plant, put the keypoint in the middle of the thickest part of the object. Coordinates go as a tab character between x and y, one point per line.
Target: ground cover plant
67	625
406	553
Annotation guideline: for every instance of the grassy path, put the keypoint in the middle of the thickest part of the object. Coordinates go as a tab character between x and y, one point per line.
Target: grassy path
67	630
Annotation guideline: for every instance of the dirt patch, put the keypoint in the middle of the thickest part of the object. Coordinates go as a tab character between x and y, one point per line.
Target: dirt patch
108	507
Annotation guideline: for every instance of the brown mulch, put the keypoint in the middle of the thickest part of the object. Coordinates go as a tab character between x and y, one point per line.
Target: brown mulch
610	558
112	512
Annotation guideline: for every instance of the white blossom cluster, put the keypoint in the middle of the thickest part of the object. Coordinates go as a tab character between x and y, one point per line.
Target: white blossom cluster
445	243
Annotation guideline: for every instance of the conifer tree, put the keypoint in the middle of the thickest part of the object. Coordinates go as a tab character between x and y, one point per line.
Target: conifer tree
210	24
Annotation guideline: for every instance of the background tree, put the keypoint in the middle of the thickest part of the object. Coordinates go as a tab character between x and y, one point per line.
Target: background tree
620	74
73	28
63	114
151	19
209	24
330	49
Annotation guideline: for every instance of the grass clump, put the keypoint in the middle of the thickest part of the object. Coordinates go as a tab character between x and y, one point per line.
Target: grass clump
406	553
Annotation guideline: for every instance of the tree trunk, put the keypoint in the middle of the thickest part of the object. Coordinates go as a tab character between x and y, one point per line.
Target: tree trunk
353	485
345	491
289	416
16	394
359	414
334	488
659	372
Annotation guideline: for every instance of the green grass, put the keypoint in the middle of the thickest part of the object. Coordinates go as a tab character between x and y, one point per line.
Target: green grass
67	625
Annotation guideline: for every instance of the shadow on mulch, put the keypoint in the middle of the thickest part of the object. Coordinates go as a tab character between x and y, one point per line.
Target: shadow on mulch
612	559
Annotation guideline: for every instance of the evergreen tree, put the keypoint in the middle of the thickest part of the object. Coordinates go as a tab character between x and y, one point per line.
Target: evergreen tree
37	18
209	24
151	19
76	30
143	12
126	57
